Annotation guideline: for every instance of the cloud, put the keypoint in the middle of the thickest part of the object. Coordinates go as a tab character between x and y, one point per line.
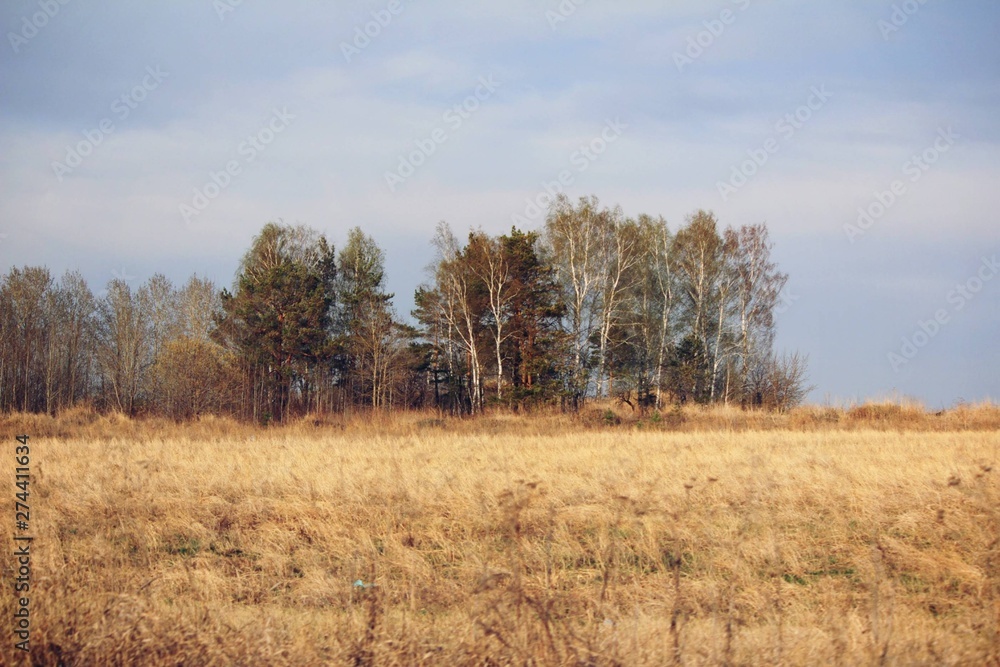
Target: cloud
686	130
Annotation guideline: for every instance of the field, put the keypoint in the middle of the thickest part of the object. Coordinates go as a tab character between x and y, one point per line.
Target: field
820	537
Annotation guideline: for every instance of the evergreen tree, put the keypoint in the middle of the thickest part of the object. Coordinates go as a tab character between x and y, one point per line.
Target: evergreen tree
364	325
278	318
536	347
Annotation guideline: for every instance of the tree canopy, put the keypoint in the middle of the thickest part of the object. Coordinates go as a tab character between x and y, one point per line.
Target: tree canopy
594	305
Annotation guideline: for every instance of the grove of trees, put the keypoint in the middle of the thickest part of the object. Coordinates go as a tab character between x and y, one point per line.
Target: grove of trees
593	305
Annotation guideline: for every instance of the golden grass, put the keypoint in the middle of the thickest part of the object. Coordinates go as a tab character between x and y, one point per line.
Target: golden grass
514	540
84	423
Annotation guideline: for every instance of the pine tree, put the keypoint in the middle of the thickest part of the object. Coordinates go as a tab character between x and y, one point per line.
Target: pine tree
278	319
365	327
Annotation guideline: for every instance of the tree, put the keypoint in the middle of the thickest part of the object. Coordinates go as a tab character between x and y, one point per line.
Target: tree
700	263
593	304
199	305
661	281
69	312
77	328
124	338
619	259
365	324
573	240
639	332
457	304
438	353
758	286
192	374
488	260
688	367
784	384
27	324
496	294
725	289
535	347
46	340
278	318
197	375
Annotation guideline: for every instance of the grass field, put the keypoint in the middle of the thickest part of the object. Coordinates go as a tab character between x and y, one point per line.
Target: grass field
687	539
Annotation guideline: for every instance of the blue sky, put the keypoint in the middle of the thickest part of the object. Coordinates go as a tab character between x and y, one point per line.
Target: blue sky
163	96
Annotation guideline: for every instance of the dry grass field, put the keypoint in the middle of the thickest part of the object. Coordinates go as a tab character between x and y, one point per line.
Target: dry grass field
867	536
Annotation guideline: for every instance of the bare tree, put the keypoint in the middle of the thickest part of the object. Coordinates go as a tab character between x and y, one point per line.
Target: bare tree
453	281
198	306
758	288
197	374
77	336
161	307
698	253
785	380
660	249
725	289
620	257
191	373
123	345
24	296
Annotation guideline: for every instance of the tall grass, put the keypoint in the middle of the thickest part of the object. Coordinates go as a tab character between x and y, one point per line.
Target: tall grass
83	422
700	539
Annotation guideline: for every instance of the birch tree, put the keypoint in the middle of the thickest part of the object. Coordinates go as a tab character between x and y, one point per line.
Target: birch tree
123	345
659	244
758	286
698	252
454	283
489	262
574	244
619	259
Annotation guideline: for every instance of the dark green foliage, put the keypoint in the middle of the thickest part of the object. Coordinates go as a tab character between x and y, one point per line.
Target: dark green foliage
536	346
278	319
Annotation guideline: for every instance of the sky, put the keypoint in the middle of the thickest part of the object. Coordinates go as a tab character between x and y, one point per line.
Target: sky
143	138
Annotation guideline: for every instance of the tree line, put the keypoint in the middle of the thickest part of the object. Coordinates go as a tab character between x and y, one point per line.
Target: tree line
593	305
